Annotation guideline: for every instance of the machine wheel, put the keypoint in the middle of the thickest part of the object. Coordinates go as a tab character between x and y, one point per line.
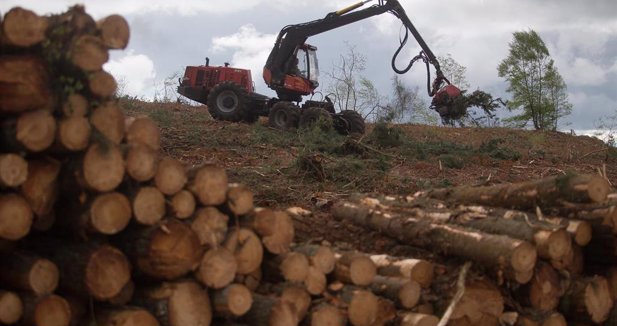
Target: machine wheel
311	116
350	122
228	101
284	116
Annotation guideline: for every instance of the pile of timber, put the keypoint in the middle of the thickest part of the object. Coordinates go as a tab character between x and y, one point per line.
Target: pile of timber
543	250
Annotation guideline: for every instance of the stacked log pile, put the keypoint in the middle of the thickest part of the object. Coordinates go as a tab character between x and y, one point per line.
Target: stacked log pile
546	248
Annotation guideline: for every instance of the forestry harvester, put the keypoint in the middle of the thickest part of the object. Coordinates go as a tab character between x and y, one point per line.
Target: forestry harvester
291	70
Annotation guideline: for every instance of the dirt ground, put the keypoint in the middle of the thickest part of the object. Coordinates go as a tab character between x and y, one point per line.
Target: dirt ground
313	170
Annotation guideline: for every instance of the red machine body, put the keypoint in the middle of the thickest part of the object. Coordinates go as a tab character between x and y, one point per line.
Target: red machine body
199	80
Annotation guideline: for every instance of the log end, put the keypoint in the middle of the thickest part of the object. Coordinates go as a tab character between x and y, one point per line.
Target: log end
598	299
107	273
170	176
523	257
363	308
240	299
326	314
52	310
110	213
295	267
11	308
247	249
103	167
189	305
15	217
36	130
217	268
148	206
43	277
13	170
183	204
417	319
409	294
362	270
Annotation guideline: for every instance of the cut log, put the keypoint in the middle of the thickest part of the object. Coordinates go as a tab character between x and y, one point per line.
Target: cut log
183	204
554	319
363	306
597	215
15	217
354	268
587	300
246	248
553	245
418	270
517	258
76	20
611	278
13	170
404	292
417	319
544	290
327	315
481	304
28	272
103	167
270	312
210	225
209	184
580	231
107	213
41	186
274	227
115	31
170	176
576	264
251	280
239	199
177	304
322	257
298	297
23	28
217	268
143	130
141	162
124	296
527	195
166	251
108	120
292	267
233	300
88	53
125	316
75	105
73	133
11	308
50	310
23	84
35	130
148	205
315	281
102	84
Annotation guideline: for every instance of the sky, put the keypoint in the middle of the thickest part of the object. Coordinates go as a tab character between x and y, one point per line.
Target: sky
168	35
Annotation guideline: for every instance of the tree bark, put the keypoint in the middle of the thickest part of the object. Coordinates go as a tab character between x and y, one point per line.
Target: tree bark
108	120
49	310
88	53
15	217
23	28
143	130
73	134
239	199
177	304
102	84
125	316
28	272
107	213
234	300
209	184
217	268
182	204
247	249
141	162
170	176
418	270
274	227
13	170
587	300
115	31
210	225
404	292
24	84
354	268
11	308
321	257
148	205
597	215
102	167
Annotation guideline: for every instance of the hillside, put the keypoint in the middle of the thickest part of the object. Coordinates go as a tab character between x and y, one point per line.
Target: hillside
313	169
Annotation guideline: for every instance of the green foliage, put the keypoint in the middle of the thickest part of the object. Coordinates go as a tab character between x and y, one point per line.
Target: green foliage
385	136
163	116
537	88
452	161
454	71
494	149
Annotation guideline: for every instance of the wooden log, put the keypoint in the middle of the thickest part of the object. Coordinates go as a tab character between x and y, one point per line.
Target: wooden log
108	120
15	217
292	267
170	176
11	308
32	131
298	296
143	130
41	186
125	316
177	304
246	248
210	225
141	162
514	257
182	204
587	300
73	133
274	227
217	268
576	264
13	170
102	84
209	184
23	84
148	205
554	319
102	167
88	53
580	231
362	306
544	290
418	270
322	257
75	105
233	300
404	292
239	199
76	20
271	312
354	268
611	278
124	296
481	304
251	280
315	281
28	272
115	31
23	28
165	251
527	195
107	213
416	319
597	215
326	314
49	310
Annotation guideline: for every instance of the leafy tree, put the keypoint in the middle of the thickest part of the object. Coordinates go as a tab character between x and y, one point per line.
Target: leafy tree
536	86
406	104
454	71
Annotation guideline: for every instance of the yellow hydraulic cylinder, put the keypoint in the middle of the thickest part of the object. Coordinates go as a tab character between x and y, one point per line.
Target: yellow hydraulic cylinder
352	7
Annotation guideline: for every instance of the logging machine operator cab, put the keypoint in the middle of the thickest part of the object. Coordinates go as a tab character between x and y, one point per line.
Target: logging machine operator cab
306	64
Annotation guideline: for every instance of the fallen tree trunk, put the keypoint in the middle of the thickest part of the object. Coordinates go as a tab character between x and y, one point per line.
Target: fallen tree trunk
326	314
41	186
418	270
75	105
544	291
102	84
88	53
107	213
298	296
73	134
28	272
292	267
597	215
103	167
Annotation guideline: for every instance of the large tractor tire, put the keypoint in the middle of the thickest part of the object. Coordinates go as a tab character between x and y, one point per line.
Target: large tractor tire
314	115
284	116
350	122
228	101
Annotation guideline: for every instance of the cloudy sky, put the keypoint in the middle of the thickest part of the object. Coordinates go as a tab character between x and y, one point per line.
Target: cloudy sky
168	35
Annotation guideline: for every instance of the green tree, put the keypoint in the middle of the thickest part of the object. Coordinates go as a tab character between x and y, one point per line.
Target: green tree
454	71
406	104
537	88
